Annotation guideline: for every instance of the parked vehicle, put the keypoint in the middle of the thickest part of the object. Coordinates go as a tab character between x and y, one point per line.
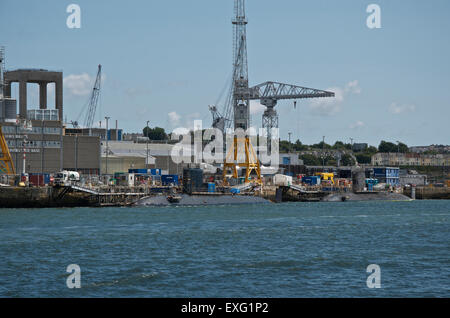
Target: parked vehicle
66	177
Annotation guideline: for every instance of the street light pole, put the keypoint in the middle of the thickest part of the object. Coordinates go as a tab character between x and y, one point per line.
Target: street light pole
146	162
107	150
323	154
289	169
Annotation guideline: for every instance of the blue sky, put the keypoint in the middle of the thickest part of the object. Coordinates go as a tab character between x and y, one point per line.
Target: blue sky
174	57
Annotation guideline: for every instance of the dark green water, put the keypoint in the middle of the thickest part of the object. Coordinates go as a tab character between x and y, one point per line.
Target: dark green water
286	250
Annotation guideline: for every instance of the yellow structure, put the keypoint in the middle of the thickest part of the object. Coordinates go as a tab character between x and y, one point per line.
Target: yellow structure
326	176
6	163
251	160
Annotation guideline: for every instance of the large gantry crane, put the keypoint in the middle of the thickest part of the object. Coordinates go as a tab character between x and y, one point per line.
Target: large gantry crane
237	106
269	93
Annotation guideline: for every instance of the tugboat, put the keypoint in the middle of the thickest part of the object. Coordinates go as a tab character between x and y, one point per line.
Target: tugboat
173	198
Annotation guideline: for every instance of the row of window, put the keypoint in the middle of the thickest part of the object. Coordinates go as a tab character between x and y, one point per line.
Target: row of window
34	143
43	114
34	130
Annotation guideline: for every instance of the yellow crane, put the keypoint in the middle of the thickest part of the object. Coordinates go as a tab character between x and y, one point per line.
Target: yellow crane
6	163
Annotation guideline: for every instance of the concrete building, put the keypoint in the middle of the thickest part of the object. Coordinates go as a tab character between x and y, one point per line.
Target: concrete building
410	159
413	179
124	155
37	76
290	159
39	134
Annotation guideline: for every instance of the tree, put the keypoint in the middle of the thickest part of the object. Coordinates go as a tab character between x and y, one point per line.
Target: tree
391	147
298	146
284	146
338	145
364	158
321	145
403	148
371	150
386	146
156	133
347	160
311	160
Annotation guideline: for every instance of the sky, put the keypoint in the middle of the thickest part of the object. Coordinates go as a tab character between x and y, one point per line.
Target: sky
166	61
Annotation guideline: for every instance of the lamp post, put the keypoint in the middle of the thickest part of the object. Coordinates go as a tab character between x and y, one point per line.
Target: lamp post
106	136
323	153
289	169
146	161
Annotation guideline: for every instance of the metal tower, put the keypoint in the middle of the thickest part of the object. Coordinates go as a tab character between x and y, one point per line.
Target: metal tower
2	67
93	101
241	104
6	163
237	105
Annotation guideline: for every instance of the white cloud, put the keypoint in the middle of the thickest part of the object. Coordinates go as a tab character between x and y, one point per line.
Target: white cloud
256	107
78	85
396	109
180	131
330	106
357	125
174	118
353	87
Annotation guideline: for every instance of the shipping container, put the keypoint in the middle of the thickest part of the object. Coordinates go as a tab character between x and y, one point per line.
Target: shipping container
169	179
192	180
138	171
211	187
282	180
155	172
311	180
38	179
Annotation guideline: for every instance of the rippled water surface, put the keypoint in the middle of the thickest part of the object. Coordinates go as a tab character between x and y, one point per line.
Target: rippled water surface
285	250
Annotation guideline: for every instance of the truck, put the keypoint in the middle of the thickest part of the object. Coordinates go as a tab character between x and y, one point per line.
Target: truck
282	180
65	178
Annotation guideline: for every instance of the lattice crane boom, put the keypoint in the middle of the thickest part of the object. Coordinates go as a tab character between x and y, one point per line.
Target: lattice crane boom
93	101
279	91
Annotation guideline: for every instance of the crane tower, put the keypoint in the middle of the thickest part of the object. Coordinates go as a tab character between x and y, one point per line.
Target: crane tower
93	101
237	106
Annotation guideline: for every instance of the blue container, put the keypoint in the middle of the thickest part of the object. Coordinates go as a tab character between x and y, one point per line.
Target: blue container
314	180
235	191
370	187
154	172
138	171
169	179
211	187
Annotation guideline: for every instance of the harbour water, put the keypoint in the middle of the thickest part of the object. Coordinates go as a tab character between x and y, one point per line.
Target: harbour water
259	250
